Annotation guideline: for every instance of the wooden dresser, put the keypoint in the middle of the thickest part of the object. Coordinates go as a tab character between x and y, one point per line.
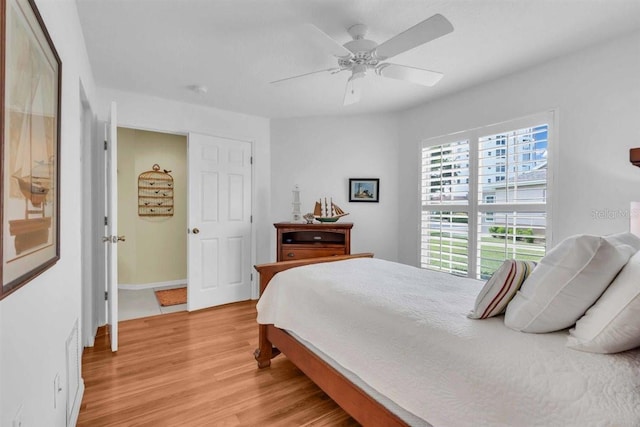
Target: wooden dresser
299	241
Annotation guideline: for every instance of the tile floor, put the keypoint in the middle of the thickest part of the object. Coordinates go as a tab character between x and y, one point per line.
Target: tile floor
133	304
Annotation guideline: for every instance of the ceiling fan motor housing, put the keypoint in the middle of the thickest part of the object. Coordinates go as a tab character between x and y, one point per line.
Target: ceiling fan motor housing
362	52
361	46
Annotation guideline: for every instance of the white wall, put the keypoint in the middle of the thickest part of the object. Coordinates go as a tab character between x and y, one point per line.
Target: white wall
36	320
150	113
320	154
597	95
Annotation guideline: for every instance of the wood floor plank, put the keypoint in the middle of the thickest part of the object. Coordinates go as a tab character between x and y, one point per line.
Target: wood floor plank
197	369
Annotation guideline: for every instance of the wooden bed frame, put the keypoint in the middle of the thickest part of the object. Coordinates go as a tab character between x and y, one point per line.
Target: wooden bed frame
272	341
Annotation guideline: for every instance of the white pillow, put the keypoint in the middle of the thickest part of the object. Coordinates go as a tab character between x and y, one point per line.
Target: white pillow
500	288
568	280
613	323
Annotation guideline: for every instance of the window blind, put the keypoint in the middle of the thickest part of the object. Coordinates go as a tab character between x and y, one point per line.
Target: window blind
484	198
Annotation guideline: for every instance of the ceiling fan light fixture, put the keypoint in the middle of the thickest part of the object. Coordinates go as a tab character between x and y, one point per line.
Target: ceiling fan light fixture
358	71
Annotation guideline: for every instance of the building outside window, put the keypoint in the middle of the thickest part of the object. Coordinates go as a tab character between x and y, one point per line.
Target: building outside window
488	199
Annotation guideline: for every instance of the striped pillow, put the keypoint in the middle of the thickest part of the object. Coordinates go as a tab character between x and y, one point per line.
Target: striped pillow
501	288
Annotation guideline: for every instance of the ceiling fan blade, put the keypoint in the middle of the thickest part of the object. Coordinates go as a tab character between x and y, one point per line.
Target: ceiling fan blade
353	91
425	31
409	74
331	70
323	42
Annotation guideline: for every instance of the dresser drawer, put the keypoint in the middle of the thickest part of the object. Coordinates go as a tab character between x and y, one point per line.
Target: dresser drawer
303	241
288	254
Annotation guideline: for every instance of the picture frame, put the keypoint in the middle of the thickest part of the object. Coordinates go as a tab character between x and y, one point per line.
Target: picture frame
31	79
364	190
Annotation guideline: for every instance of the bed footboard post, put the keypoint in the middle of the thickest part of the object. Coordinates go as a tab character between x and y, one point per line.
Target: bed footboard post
264	352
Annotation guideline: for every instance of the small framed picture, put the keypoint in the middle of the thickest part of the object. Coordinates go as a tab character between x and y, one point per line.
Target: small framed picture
364	190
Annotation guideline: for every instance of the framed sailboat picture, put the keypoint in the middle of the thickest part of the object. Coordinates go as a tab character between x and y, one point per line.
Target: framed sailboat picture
30	73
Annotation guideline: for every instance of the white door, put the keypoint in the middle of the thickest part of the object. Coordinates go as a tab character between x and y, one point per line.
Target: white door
111	228
219	212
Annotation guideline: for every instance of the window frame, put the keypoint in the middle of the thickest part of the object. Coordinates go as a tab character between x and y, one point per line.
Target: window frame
474	207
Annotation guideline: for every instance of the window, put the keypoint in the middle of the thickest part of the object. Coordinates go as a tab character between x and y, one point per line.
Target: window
478	209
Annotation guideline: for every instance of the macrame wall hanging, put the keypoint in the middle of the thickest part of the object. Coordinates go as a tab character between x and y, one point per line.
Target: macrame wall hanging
155	192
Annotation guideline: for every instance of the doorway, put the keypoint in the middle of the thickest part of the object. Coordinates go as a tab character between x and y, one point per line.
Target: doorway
152	220
219	194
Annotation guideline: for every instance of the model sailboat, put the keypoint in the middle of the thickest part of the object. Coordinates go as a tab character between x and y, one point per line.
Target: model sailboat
327	211
36	186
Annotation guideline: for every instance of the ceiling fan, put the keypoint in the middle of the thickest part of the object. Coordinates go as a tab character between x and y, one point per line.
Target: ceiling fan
361	55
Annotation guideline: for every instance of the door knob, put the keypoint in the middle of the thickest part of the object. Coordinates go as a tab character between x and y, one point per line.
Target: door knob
195	230
121	239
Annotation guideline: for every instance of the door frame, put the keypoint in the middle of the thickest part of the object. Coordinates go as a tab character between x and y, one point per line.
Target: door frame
99	297
92	253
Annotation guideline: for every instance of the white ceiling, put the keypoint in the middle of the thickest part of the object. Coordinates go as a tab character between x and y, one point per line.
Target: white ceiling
236	47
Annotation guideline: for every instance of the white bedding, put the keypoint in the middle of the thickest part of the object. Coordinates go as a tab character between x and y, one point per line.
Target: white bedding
405	333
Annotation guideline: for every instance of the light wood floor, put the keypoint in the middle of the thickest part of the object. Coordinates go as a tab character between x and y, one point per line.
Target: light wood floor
197	369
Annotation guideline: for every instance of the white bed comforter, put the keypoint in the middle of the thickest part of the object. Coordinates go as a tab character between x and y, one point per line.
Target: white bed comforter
404	332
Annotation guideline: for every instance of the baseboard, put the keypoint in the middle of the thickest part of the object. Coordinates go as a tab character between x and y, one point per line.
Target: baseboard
128	287
75	412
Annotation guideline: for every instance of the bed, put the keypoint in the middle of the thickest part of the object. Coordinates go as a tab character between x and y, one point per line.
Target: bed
392	345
